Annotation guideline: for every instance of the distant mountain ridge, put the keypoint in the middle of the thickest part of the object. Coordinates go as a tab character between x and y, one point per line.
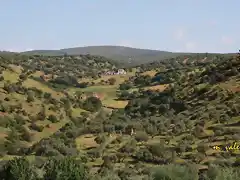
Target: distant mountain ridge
118	53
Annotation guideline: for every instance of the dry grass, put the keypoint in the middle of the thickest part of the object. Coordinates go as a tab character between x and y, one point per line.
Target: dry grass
105	92
232	85
235	89
10	76
53	127
150	73
185	61
13	77
111	103
157	87
16	69
153	88
76	111
32	83
3	135
203	60
38	74
119	78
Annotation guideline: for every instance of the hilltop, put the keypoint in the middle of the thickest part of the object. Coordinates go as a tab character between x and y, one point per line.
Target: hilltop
160	119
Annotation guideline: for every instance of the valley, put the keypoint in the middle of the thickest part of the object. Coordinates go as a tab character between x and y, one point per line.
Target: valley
161	119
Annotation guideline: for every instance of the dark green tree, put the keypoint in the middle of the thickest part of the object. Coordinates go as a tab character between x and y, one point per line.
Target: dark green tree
64	169
18	169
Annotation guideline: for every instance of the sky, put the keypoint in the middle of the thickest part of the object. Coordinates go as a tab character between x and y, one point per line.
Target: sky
170	25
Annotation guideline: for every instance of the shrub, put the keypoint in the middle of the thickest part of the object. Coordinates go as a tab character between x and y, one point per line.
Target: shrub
30	96
125	86
141	136
92	104
100	139
52	118
19	119
112	81
6	99
26	135
170	172
1	78
47	95
36	127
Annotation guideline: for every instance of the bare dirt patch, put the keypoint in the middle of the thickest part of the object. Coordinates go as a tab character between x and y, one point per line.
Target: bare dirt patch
185	61
235	89
52	128
3	135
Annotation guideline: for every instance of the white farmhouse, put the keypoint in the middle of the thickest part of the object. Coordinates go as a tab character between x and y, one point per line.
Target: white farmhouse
121	71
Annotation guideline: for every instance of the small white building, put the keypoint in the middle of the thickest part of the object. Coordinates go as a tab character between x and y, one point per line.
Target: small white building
118	72
121	71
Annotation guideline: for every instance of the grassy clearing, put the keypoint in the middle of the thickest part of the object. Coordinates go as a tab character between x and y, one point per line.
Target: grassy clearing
232	85
30	108
16	69
32	83
108	94
157	87
161	87
10	76
77	111
150	73
86	141
119	78
111	103
37	74
48	131
108	89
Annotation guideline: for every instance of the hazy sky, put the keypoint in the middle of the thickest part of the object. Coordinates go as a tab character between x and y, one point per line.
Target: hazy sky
173	25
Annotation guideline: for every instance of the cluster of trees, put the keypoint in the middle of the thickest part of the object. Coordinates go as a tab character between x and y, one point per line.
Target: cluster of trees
186	61
68	168
52	169
61	66
140	81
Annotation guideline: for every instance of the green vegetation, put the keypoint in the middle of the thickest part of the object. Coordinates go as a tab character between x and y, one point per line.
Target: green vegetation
61	118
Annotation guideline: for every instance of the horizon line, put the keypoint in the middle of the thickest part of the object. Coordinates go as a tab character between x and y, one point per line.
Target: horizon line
87	46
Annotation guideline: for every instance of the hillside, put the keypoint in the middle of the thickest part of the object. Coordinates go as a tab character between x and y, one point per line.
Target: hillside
175	119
